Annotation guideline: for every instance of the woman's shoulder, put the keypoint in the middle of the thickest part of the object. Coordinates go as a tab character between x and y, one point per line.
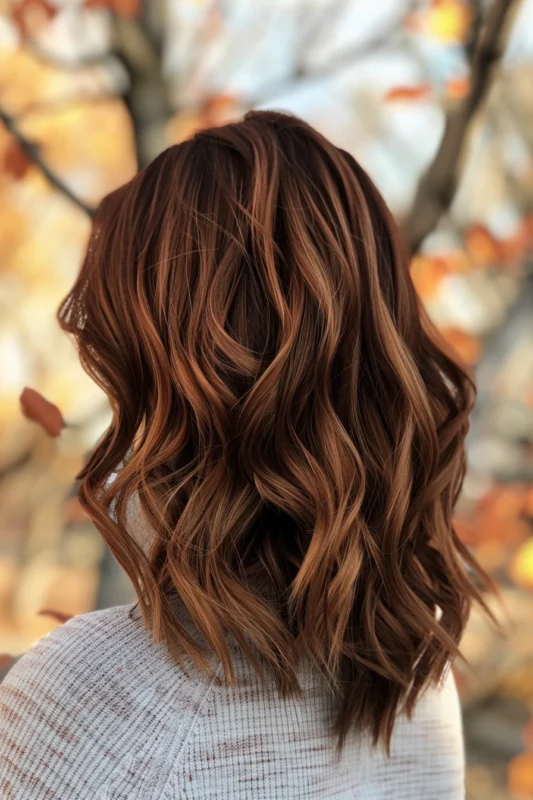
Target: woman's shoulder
76	702
78	642
86	650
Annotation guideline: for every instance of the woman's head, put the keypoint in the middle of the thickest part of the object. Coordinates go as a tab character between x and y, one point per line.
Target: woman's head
282	408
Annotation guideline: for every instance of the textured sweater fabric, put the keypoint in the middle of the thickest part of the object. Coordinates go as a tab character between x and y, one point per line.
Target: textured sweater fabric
95	710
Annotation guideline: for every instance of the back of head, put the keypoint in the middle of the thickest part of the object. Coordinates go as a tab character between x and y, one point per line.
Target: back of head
283	409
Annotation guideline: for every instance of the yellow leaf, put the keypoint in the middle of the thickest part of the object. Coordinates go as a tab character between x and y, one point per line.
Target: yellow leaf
448	20
427	273
467	346
521	567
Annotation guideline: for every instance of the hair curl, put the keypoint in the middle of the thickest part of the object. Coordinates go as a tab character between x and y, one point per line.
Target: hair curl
282	408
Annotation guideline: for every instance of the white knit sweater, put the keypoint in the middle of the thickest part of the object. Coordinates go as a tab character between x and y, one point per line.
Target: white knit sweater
96	711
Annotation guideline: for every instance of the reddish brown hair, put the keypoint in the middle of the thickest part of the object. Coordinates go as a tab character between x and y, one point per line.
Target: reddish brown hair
282	407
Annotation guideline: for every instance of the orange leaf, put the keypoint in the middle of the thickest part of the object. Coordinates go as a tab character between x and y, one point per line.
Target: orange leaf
422	91
214	110
37	408
126	8
57	615
413	22
457	88
467	346
427	273
484	528
491	555
16	161
505	501
30	15
456	261
481	245
217	109
465	530
520	775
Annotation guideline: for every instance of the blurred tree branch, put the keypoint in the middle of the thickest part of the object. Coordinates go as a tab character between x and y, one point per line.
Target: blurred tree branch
476	8
437	186
32	152
137	46
139	49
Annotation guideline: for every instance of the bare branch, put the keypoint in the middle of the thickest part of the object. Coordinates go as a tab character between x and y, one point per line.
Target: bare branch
438	185
32	152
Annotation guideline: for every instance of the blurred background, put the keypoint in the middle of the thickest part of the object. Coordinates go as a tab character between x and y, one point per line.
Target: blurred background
435	99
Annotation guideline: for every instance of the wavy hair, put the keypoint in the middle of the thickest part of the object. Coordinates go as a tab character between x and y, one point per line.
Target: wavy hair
283	408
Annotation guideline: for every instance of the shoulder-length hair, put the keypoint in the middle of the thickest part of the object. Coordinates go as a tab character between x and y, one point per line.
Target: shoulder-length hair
282	408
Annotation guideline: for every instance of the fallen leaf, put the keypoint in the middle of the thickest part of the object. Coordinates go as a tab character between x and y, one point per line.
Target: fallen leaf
38	409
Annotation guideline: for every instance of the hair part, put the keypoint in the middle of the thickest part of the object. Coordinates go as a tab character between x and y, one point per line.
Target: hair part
282	408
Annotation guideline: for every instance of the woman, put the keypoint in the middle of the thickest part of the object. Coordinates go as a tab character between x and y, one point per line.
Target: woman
278	481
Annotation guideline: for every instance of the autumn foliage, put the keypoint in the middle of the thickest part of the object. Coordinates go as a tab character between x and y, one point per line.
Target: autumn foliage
36	408
89	136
